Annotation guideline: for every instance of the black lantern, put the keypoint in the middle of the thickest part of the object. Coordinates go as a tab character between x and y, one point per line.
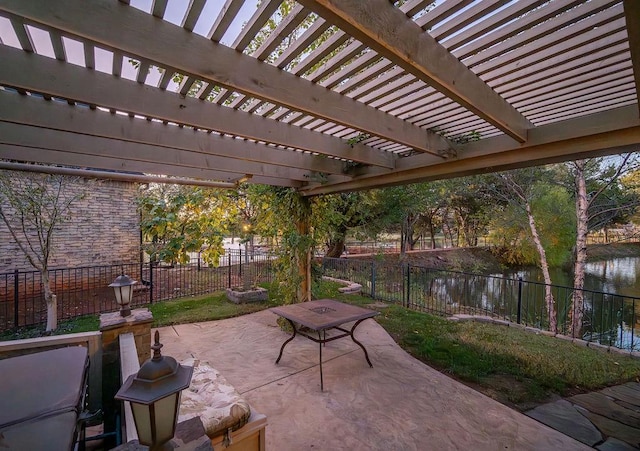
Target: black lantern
154	394
123	287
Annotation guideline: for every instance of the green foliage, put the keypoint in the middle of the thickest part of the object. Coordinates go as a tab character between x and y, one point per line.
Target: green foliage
176	220
358	138
295	224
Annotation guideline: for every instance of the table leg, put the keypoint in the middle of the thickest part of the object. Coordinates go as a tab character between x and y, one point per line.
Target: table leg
320	343
293	326
366	355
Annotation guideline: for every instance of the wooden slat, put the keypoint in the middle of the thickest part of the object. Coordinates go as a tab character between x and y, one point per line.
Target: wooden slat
319	53
351	71
224	19
345	55
632	16
143	71
89	56
548	32
495	21
612	53
564	51
23	35
193	14
284	29
588	81
530	20
116	68
158	9
58	46
312	33
255	23
476	11
217	63
382	27
124	95
441	12
572	77
589	92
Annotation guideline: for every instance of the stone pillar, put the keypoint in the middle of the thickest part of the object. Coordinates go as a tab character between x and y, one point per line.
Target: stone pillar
112	325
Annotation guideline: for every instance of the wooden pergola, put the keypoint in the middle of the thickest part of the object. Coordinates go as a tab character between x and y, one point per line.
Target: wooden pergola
341	95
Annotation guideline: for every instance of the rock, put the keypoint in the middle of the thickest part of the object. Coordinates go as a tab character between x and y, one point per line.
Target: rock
605	406
613	444
562	416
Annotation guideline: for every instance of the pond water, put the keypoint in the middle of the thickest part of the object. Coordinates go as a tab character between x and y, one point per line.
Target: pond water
617	276
612	314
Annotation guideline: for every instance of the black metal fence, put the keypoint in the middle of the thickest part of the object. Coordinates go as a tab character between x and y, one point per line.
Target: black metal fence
84	290
609	319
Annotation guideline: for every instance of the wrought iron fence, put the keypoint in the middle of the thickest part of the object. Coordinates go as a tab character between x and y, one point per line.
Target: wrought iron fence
609	319
84	290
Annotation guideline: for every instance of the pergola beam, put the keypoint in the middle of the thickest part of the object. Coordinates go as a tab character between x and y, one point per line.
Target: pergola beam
165	44
605	133
23	71
66	159
632	16
107	175
34	111
384	28
169	158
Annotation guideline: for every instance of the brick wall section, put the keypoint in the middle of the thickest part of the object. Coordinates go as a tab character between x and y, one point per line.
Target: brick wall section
104	228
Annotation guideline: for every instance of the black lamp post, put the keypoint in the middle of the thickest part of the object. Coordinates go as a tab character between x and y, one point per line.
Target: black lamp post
154	394
123	287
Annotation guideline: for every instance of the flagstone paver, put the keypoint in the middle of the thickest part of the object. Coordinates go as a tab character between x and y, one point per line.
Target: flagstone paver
562	416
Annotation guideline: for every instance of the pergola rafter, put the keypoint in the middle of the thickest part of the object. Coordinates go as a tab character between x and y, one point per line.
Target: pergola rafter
335	96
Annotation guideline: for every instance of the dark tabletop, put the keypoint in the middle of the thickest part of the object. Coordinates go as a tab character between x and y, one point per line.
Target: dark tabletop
323	314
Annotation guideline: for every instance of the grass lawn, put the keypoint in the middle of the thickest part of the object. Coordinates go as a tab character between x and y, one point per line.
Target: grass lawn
515	367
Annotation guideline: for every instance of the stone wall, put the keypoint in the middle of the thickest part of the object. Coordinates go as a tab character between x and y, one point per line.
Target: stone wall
103	228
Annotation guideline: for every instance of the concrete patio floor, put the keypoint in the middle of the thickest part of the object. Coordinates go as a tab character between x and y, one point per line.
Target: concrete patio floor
399	404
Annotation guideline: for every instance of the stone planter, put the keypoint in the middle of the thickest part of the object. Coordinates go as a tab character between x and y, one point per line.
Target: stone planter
240	296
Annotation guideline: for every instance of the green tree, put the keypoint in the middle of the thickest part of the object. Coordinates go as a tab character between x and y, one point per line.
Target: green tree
531	202
296	225
176	220
34	207
599	200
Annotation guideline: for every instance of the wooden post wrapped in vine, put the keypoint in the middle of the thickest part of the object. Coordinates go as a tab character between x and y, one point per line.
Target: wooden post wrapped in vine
304	252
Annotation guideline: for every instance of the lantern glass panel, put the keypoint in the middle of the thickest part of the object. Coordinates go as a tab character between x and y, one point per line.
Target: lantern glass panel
126	293
142	417
166	412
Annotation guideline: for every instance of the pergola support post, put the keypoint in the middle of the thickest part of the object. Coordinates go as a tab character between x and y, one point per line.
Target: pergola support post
304	258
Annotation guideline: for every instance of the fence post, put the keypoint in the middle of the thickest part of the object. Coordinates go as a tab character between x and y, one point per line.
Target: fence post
373	279
408	290
16	297
633	320
240	261
229	272
151	285
519	300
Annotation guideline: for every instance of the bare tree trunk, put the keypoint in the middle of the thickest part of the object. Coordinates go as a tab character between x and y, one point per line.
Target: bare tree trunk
432	235
582	205
544	265
51	301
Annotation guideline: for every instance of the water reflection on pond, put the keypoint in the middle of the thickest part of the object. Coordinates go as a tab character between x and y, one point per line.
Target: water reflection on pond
611	315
